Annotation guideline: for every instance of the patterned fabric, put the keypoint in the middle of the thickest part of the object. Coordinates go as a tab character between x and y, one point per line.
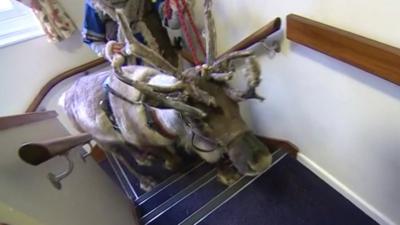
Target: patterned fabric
54	20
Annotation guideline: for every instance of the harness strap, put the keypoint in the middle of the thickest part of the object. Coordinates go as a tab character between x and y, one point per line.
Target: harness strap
152	121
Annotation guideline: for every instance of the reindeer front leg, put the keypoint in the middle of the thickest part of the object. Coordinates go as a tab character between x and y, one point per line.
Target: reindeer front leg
226	172
146	183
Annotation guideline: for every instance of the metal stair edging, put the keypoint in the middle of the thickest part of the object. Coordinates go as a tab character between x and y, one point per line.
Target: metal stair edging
166	183
228	193
180	196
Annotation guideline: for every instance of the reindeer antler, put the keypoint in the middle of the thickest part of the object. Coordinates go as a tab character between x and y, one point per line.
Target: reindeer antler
140	50
217	69
153	92
160	100
210	33
186	84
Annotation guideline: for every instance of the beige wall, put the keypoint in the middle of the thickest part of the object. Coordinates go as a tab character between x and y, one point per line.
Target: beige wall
26	67
345	121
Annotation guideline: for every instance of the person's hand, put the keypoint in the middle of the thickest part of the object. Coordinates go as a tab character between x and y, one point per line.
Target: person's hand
116	48
112	49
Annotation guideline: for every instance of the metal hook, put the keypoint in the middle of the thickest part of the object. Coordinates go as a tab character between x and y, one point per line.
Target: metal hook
56	179
84	153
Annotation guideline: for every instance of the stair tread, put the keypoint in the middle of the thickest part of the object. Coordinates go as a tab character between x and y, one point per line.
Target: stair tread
169	182
175	189
189	205
288	194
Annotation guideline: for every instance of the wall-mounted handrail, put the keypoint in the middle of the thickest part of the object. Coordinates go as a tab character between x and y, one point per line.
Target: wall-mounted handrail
380	59
23	119
35	153
257	36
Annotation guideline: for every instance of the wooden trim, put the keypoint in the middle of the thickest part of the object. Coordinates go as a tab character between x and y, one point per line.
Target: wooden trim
374	57
53	82
275	144
23	119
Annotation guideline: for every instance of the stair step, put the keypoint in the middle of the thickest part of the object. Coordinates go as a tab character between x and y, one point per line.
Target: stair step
181	185
190	204
177	198
167	183
227	194
201	201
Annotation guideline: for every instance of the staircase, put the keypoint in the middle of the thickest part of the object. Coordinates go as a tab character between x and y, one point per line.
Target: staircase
285	193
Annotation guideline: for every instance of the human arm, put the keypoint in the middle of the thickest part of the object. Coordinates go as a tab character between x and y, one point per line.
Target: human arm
95	35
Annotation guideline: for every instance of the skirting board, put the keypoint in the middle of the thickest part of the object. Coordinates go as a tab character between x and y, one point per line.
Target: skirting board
345	191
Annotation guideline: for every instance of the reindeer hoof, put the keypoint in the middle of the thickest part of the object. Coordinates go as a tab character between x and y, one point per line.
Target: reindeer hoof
147	161
172	164
228	176
147	184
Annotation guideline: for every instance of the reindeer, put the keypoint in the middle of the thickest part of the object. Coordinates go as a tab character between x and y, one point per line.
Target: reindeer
152	110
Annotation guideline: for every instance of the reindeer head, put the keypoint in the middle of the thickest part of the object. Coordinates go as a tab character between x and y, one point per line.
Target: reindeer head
204	98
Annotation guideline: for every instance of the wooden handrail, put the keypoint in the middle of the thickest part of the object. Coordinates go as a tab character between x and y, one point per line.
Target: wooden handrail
380	59
257	36
35	153
8	122
59	78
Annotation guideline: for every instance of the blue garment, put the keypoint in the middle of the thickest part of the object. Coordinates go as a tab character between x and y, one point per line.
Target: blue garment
93	27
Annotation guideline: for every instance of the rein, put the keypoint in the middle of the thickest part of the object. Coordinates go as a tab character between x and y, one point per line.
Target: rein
152	121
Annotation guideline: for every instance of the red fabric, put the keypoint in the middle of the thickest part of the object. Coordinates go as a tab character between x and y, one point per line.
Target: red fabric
196	31
185	29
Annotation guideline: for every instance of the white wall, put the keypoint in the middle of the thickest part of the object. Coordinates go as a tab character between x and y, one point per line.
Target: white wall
88	195
345	121
29	65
